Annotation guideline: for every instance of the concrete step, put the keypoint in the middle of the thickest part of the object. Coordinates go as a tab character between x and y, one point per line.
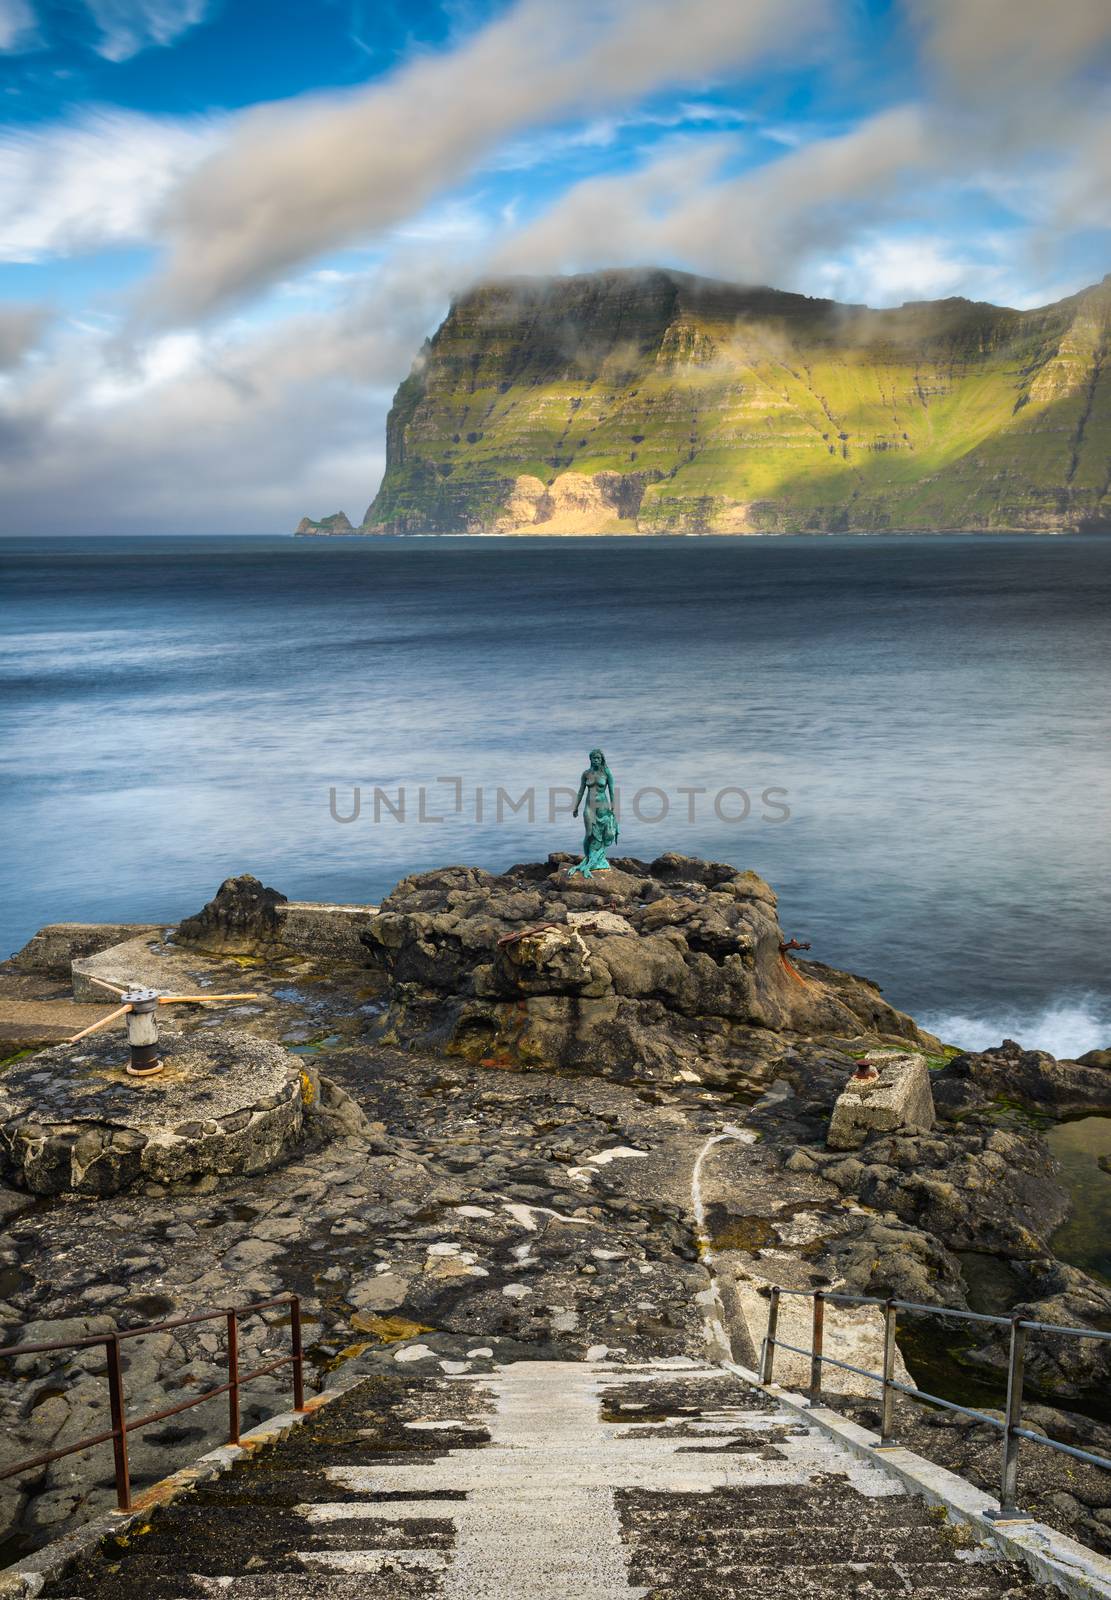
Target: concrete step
816	1581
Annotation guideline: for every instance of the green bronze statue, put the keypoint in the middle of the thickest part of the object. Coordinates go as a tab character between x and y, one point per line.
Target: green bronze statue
600	822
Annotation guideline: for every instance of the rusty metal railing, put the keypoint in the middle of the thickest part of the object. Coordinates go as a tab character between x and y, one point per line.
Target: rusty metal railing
122	1425
1011	1426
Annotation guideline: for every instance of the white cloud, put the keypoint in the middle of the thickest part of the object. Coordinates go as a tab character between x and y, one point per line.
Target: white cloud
765	226
885	271
296	180
17	25
129	26
237	429
20	327
72	186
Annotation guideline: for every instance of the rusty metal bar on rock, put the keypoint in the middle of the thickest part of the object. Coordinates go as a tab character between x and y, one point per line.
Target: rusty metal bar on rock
48	1456
121	1427
233	1378
119	1424
298	1356
209	1394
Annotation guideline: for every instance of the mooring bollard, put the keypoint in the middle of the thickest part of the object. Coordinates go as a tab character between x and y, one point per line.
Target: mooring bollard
140	1007
142	1032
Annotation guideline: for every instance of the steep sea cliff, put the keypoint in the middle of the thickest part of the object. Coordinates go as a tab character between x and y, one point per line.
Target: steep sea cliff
656	402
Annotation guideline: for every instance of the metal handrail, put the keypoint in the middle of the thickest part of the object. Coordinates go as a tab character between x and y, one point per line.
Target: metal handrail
1011	1426
122	1426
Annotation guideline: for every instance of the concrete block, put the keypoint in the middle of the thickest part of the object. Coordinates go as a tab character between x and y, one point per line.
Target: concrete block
54	947
897	1100
328	931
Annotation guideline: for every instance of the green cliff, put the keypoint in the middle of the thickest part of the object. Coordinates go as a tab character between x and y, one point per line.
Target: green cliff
657	402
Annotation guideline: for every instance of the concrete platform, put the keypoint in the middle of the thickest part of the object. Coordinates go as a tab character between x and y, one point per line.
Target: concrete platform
72	1120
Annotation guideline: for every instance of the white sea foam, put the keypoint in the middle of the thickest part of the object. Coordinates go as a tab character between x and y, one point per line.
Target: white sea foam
1066	1027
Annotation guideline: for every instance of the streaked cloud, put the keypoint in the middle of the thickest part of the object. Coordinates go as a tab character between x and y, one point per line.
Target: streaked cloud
128	26
100	179
296	180
17	25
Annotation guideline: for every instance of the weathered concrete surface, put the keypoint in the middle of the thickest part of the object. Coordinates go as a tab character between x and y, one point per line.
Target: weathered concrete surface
27	1024
1052	1558
54	947
897	1100
325	932
147	961
551	1481
73	1121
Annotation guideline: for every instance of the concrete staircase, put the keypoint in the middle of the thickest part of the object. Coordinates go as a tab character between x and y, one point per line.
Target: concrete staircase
549	1481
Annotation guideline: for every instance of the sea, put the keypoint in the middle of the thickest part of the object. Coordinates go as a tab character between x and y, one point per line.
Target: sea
907	736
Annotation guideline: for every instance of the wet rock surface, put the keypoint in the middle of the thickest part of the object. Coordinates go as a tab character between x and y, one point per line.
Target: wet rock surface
460	1200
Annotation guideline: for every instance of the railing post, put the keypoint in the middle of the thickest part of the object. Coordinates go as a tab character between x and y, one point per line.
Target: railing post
767	1355
816	1342
1008	1478
298	1353
119	1422
233	1378
887	1425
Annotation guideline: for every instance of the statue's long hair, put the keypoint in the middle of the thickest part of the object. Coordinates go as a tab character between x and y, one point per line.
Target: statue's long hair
601	754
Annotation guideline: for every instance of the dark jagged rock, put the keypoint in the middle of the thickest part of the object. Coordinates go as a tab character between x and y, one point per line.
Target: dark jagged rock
647	971
1032	1078
240	917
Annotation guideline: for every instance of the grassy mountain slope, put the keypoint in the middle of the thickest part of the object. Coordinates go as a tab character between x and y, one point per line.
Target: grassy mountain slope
656	401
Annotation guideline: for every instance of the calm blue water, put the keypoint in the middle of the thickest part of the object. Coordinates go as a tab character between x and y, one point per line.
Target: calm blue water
936	710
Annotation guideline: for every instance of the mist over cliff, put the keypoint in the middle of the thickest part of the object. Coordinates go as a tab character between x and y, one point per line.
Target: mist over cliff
654	401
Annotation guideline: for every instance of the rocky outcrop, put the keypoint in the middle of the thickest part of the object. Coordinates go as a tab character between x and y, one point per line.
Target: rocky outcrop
673	969
1032	1078
575	503
337	524
241	916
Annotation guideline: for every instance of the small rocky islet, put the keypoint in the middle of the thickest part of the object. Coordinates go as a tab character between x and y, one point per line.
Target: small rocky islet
506	1117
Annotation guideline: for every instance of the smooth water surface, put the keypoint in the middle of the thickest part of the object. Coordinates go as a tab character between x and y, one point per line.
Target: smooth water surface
1084	1237
932	711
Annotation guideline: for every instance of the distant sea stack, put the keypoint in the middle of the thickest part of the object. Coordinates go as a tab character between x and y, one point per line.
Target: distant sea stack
657	402
337	523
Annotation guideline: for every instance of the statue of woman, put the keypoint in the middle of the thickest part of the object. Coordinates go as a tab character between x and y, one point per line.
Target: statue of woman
600	822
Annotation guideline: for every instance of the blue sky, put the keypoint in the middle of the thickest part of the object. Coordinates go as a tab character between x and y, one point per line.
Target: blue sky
225	226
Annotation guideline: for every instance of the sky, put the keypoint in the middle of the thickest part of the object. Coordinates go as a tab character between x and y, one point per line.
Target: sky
226	226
